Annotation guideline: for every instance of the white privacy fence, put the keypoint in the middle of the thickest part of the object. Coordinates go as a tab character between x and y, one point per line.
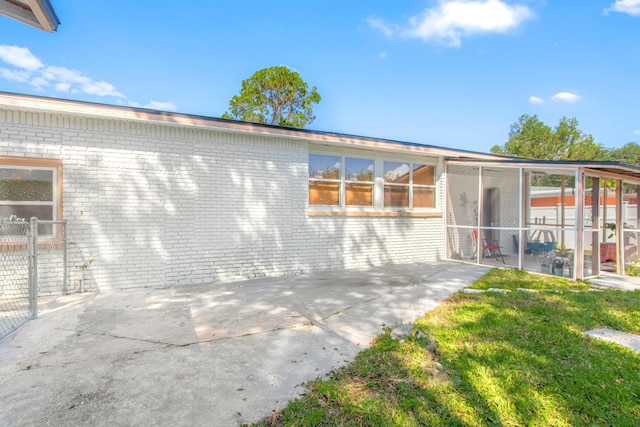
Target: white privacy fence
552	218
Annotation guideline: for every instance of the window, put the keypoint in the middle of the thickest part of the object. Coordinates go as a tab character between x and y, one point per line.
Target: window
359	182
327	183
30	188
409	185
324	180
359	179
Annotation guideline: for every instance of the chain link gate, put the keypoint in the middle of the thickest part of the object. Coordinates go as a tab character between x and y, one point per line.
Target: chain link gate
33	269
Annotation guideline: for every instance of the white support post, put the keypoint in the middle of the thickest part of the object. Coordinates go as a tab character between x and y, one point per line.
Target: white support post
578	254
619	229
595	226
522	219
479	251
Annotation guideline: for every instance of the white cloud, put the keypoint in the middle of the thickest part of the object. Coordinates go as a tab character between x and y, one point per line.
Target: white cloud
381	26
565	97
162	105
636	132
75	81
100	89
20	57
39	83
535	100
20	76
63	87
28	69
451	20
631	7
63	74
155	105
382	55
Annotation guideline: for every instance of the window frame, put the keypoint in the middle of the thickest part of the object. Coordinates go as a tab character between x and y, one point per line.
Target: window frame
411	185
327	180
378	183
343	181
39	164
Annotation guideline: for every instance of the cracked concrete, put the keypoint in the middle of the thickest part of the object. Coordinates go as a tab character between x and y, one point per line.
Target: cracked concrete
216	354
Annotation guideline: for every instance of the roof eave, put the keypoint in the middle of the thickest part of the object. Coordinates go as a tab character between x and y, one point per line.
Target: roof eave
603	169
31	102
36	13
44	13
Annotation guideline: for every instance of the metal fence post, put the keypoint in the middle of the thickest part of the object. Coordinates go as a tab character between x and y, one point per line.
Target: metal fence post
65	269
33	268
31	273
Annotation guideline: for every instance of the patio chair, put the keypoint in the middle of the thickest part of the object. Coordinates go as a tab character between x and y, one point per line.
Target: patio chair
489	250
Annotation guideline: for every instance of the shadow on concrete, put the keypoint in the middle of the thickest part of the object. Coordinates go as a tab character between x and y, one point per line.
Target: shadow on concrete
221	354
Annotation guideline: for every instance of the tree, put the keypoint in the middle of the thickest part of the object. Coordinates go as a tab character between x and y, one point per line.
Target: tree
275	96
629	153
532	139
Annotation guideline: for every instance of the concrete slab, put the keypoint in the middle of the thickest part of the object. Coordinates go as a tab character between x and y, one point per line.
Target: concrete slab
625	339
624	283
218	354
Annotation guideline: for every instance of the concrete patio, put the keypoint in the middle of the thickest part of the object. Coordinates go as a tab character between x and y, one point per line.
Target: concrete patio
217	354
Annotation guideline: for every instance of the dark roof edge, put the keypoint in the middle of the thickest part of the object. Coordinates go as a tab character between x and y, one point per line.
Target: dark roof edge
47	8
145	114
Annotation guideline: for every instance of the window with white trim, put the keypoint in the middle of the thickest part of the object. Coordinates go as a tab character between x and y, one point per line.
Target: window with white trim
351	181
409	185
30	188
359	179
330	186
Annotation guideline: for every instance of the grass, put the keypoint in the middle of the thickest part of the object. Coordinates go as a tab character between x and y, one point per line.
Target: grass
509	359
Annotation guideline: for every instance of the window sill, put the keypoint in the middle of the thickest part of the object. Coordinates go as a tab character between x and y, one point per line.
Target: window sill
392	214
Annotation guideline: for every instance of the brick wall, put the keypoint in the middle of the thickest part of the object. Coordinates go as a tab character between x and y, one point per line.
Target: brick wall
155	204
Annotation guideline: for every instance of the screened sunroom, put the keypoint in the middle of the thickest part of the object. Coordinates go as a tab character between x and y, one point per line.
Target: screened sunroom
560	218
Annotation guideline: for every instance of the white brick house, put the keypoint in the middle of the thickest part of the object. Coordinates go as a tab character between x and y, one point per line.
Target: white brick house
155	198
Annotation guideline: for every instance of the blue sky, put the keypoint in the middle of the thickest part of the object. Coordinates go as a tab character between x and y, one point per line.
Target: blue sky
452	73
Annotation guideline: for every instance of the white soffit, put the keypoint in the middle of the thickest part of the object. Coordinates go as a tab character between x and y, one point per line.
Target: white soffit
37	13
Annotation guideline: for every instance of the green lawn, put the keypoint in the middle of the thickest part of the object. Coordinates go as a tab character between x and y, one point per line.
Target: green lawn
509	359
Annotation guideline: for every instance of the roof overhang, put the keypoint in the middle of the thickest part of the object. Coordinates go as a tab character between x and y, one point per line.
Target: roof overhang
608	170
115	112
37	13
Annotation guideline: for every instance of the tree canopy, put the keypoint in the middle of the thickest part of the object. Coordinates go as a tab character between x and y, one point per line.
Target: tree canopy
530	138
628	153
275	96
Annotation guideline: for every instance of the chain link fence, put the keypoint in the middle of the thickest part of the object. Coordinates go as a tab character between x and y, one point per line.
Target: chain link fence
33	269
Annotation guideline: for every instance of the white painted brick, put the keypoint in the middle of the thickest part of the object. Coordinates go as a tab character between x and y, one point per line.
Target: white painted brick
157	204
